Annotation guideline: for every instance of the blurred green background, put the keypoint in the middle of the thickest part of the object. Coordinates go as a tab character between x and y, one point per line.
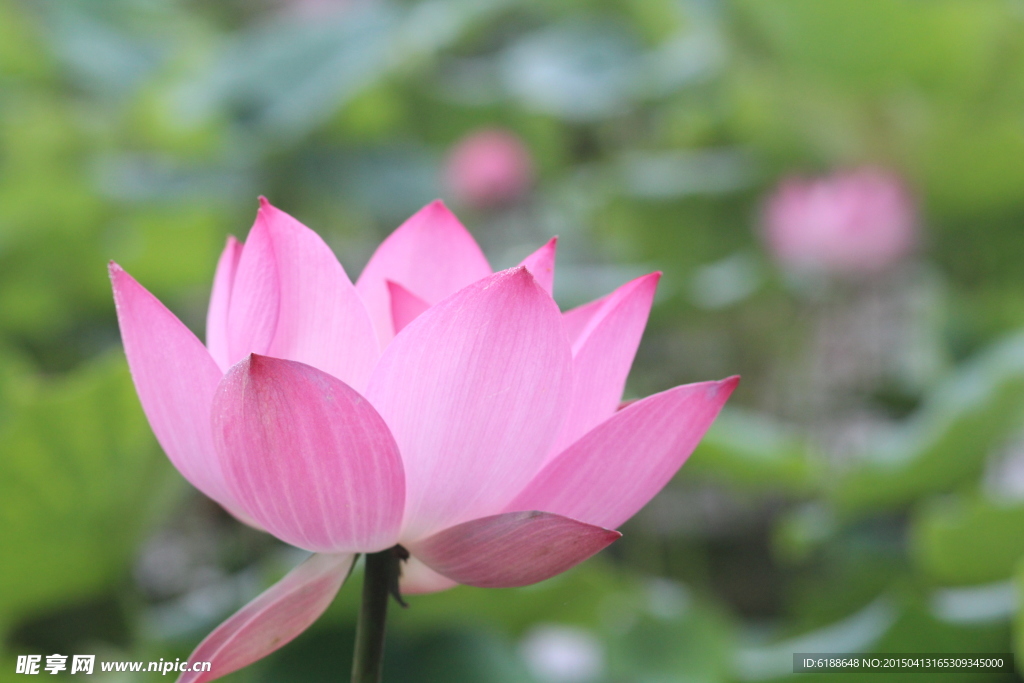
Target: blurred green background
864	490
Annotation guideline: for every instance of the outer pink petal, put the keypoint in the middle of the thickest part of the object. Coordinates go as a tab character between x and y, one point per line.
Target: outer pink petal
176	379
430	254
602	355
419	579
474	391
220	300
405	305
319	319
307	457
541	265
512	549
273	619
609	474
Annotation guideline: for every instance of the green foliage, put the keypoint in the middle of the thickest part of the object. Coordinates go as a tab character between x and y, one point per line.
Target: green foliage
968	540
78	482
752	452
948	440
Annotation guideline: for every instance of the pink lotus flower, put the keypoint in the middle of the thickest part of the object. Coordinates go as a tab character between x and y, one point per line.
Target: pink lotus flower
489	167
433	404
859	221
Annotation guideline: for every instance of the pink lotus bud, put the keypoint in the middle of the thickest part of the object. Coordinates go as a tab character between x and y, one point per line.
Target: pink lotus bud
489	167
852	222
432	404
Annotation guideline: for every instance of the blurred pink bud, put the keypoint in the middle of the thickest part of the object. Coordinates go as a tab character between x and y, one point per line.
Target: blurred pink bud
852	222
489	167
433	404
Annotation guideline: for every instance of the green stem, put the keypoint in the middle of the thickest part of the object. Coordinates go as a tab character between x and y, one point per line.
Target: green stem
380	581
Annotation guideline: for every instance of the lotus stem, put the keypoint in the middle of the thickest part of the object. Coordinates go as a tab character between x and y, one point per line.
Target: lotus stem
380	581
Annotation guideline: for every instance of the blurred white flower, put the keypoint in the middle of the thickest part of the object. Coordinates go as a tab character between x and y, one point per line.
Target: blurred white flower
562	654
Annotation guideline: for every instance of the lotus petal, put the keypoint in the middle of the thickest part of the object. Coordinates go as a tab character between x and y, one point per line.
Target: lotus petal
576	319
602	355
431	255
405	306
273	619
307	457
511	549
474	391
419	579
220	301
292	299
175	378
613	471
541	265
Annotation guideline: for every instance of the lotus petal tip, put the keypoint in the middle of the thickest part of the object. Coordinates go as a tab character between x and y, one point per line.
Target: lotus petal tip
729	383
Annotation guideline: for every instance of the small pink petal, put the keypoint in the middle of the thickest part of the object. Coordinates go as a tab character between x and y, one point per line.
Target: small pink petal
541	265
175	378
322	321
431	254
220	301
255	300
511	549
474	391
318	318
307	457
577	319
602	355
609	474
405	305
419	579
273	619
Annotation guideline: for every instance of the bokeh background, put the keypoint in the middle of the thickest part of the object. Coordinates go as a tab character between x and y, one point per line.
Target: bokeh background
863	491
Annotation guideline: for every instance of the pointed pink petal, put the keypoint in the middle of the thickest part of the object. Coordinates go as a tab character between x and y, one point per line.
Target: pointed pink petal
541	265
273	619
474	391
602	356
307	457
609	474
405	305
511	549
576	319
322	321
430	254
292	299
220	298
255	300
419	579
176	379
